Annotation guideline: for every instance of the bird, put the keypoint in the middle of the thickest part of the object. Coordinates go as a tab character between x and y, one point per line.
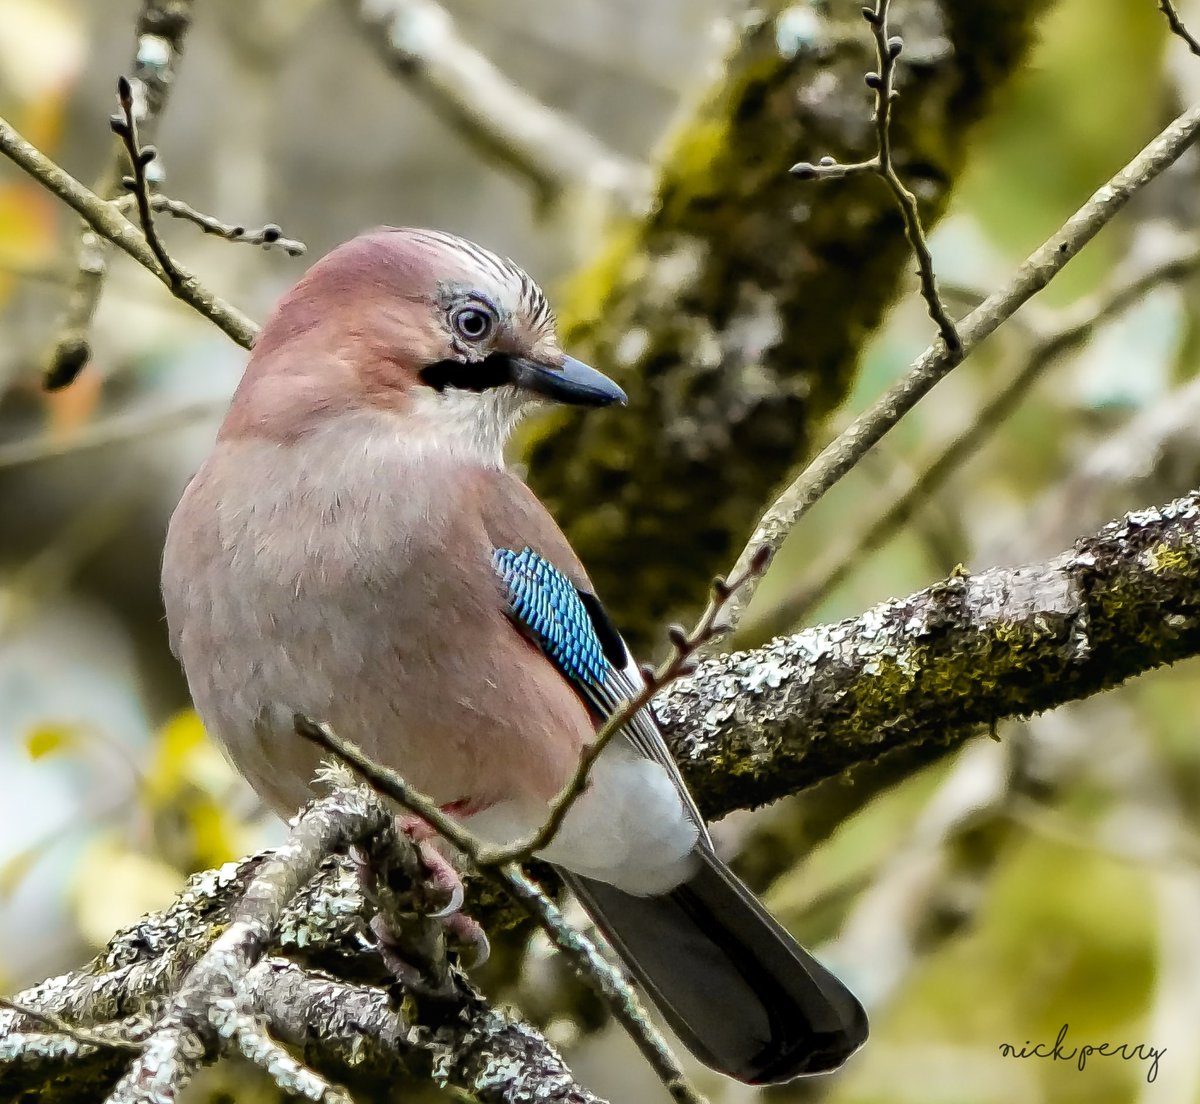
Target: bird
356	549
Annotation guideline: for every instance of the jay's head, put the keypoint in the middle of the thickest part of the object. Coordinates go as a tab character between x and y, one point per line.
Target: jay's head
417	324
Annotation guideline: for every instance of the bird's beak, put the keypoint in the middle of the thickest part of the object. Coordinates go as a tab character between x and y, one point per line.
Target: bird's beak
571	382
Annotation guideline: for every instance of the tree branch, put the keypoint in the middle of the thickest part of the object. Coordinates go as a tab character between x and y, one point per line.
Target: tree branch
322	991
107	221
933	365
189	1032
942	664
418	41
159	36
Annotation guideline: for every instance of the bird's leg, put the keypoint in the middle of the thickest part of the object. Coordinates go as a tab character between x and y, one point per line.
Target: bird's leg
443	884
435	894
463	933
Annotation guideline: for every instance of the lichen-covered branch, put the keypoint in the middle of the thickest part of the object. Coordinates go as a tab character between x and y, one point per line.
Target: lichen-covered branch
736	310
322	990
942	664
189	1032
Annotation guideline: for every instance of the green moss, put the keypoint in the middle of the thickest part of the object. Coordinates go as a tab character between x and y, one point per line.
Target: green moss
734	312
1165	559
583	295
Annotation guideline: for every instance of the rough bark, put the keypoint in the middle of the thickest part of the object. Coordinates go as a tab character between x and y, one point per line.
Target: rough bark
942	664
735	312
322	988
750	727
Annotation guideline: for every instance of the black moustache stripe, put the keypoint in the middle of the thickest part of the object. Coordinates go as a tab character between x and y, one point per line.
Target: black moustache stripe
482	375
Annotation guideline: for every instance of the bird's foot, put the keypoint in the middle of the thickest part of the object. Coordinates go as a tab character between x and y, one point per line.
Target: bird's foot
413	952
443	882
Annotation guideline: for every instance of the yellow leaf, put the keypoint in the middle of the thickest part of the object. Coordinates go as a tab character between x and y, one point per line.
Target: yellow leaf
175	748
214	833
48	739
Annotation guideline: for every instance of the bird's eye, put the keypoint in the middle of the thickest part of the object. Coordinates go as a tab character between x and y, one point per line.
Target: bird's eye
472	323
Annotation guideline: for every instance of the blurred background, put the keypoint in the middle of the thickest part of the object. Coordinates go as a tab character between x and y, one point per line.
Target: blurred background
989	897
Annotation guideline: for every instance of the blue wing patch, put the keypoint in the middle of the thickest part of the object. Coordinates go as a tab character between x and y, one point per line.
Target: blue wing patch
548	606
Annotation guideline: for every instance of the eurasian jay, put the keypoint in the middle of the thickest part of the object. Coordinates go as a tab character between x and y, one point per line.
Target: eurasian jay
354	549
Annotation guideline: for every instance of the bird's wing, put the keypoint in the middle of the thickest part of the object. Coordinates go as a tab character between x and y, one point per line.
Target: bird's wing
569	626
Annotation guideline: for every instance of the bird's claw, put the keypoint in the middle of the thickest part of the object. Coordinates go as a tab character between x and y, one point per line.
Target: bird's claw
468	938
444	883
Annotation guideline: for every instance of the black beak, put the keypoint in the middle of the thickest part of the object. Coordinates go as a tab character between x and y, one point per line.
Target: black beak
571	382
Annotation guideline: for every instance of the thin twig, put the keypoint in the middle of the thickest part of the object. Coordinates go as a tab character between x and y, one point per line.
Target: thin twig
1177	26
603	977
883	82
159	35
114	429
900	505
110	224
125	127
80	1034
933	365
679	663
269	236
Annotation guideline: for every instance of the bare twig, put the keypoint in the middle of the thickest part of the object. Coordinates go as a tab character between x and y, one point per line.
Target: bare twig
1137	461
80	1034
845	451
110	224
125	127
883	81
602	976
1177	26
269	236
899	506
419	42
680	662
159	36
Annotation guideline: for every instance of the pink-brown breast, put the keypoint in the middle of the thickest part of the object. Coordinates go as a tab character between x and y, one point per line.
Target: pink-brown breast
306	577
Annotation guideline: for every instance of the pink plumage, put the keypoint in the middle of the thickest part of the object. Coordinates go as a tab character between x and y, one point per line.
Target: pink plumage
334	557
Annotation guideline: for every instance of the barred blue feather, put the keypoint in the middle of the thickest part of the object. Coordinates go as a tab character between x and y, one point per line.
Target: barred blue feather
547	604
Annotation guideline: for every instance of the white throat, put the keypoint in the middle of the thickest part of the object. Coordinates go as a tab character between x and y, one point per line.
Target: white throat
469	426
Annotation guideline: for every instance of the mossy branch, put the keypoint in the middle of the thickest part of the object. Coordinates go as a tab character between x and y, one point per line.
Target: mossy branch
320	986
940	665
737	309
935	667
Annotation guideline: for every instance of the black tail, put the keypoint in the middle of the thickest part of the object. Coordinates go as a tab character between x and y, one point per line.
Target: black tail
739	991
